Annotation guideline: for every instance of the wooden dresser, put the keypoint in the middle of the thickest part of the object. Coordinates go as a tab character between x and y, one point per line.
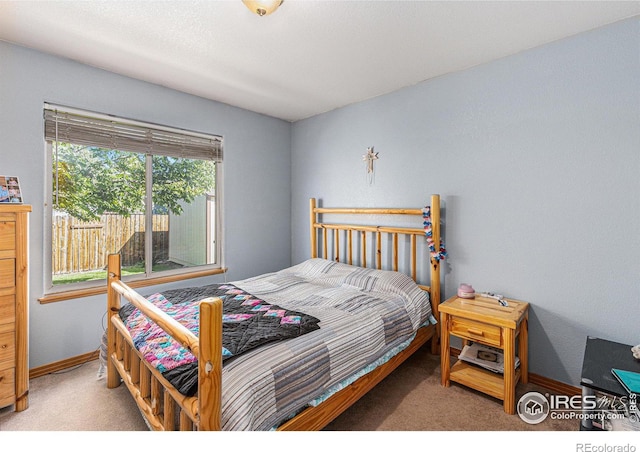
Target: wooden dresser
14	303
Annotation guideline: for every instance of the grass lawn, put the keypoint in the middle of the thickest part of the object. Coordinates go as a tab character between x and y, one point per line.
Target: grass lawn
69	278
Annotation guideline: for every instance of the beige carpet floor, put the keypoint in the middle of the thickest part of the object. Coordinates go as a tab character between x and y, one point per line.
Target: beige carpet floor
409	409
410	399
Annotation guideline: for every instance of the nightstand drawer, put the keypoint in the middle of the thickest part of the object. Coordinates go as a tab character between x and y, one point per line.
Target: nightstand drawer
476	331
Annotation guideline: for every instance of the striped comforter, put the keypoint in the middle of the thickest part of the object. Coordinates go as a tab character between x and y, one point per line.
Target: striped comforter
364	313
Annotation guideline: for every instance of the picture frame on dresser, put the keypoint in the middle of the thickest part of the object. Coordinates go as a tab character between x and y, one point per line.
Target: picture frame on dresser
10	190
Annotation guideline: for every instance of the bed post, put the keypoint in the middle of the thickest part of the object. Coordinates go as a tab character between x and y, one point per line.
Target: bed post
113	306
210	365
313	236
435	269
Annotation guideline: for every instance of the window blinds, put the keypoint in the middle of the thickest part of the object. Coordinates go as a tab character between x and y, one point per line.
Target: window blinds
74	126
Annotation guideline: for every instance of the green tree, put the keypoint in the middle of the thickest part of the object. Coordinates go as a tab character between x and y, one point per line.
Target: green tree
91	181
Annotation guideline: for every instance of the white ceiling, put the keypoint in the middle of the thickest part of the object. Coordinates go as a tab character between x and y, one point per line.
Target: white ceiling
309	56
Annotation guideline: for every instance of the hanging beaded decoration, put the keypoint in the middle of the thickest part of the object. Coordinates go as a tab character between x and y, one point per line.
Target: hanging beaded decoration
440	254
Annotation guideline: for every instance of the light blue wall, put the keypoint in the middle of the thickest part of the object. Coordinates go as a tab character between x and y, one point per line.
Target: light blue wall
256	177
537	159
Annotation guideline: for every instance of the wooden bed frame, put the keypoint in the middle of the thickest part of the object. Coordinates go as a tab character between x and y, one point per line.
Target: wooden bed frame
164	408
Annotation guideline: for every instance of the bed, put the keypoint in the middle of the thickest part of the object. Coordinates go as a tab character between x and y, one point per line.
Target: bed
360	296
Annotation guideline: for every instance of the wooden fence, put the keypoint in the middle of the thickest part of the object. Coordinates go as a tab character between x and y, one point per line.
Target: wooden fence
79	246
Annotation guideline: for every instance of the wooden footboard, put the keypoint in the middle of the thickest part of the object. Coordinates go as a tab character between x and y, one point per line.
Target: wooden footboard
165	408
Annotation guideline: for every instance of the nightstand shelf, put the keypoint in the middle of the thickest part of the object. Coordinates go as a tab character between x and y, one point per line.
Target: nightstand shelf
479	379
485	321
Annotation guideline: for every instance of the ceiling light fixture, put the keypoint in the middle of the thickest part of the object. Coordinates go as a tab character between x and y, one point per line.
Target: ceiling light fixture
262	7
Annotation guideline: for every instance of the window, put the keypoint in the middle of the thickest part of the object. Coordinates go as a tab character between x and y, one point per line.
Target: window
145	191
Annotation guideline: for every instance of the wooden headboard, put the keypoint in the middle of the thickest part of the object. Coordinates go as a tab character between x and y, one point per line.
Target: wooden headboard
340	247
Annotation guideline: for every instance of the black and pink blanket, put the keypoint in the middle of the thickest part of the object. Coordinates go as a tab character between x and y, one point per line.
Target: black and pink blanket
247	323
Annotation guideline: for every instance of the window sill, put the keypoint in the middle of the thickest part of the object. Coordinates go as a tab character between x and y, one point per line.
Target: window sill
134	283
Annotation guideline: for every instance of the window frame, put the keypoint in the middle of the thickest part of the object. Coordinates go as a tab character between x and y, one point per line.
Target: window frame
54	293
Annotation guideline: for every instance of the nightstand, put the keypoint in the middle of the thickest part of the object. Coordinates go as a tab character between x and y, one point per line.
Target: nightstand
485	321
